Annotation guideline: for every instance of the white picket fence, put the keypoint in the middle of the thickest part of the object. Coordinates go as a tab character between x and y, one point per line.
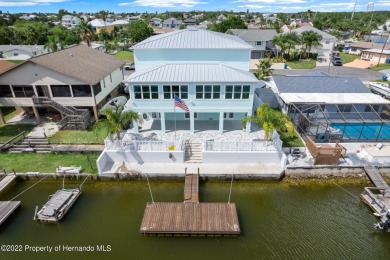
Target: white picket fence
135	145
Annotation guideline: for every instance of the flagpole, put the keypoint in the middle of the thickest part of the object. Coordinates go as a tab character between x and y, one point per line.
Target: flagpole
174	111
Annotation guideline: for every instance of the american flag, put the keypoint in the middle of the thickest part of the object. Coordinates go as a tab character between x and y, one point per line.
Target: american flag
180	103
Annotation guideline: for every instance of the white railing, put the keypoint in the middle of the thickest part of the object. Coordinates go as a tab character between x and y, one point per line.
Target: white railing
250	146
152	146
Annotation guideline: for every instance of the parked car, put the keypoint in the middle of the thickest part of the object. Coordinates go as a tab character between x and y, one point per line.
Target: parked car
337	61
129	66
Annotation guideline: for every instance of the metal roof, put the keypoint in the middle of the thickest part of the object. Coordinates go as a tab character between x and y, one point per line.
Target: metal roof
324	35
334	98
193	39
253	35
318	84
206	73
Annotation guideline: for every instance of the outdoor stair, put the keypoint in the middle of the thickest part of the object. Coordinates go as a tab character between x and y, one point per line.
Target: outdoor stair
73	118
31	145
193	152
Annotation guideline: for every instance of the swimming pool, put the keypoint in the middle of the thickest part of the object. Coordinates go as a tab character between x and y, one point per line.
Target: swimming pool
367	131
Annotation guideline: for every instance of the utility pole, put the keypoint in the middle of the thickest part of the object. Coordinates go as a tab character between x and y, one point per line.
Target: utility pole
370	8
383	48
353	12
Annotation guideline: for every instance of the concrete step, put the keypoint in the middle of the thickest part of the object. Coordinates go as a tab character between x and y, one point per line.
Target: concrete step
33	142
35	139
15	151
193	161
43	151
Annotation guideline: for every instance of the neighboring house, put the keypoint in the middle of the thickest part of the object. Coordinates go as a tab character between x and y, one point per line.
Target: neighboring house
70	21
162	31
199	16
376	56
172	23
120	23
134	18
208	70
293	25
99	25
357	47
332	108
21	52
78	76
27	17
189	22
260	39
221	17
155	22
327	41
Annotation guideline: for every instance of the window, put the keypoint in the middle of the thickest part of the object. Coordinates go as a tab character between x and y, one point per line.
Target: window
187	115
156	115
344	108
23	91
229	92
82	91
228	115
259	43
327	42
368	108
5	91
40	90
208	91
237	92
145	92
97	88
60	90
179	90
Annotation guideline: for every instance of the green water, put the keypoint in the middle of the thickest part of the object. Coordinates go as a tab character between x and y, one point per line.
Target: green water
278	221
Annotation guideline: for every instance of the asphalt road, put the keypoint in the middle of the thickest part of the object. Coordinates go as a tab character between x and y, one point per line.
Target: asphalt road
362	74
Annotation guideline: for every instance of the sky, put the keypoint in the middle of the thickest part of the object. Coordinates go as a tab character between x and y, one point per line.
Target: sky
151	6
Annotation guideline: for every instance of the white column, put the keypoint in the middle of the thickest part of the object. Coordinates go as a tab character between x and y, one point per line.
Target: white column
248	124
162	119
192	122
135	127
221	122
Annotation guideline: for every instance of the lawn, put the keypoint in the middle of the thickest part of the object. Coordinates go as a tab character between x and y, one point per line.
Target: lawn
297	142
127	56
8	113
302	64
8	131
348	57
380	67
16	61
46	163
78	136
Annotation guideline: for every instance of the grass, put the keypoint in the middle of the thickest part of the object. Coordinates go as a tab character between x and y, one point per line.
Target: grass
16	61
299	65
78	136
127	56
8	131
8	112
46	163
380	67
348	57
297	141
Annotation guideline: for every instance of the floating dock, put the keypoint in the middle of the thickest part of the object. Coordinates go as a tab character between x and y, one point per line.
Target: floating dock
57	206
190	218
6	181
6	209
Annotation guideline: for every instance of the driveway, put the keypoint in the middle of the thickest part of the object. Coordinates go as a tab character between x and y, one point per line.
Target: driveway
362	74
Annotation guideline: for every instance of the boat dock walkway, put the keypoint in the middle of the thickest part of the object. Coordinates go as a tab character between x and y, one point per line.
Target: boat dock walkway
6	181
191	217
375	177
6	209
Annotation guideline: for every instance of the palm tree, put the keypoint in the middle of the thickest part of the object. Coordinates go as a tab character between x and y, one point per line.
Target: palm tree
291	39
309	14
86	31
280	41
311	39
51	43
264	69
116	121
103	15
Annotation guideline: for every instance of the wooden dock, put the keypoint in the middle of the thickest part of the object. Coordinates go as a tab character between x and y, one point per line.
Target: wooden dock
6	181
6	209
375	177
191	188
190	218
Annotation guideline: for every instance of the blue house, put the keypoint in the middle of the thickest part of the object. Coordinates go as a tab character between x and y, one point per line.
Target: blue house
209	71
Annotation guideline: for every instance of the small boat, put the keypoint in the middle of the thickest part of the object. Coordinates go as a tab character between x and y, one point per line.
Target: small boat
113	104
380	88
59	203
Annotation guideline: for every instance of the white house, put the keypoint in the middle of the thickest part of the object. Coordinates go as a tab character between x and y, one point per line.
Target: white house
70	21
260	39
172	23
21	52
78	76
155	22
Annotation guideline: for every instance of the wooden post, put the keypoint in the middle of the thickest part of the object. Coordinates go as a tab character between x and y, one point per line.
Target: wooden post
95	113
2	119
37	116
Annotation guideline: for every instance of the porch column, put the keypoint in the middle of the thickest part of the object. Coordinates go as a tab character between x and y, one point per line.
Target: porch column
95	113
192	122
221	122
37	116
162	119
2	119
248	124
135	127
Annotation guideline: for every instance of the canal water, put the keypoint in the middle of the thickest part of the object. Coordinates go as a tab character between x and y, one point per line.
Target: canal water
278	221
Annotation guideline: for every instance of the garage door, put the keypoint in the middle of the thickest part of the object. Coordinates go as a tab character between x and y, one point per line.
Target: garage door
257	55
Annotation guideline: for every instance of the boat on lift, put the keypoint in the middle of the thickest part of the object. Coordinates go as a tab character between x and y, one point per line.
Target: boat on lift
380	88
